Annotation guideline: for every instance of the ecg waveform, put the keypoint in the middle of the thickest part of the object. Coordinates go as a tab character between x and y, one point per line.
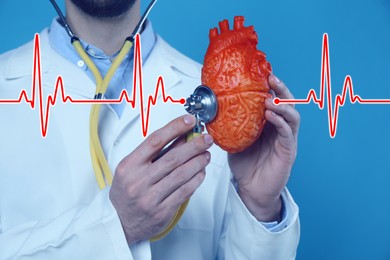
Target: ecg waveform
333	112
44	106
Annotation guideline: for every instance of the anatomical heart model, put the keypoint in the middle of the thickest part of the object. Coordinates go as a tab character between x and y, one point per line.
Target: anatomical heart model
238	74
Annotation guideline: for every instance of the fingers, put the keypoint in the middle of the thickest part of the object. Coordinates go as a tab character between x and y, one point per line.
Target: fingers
285	112
182	175
178	156
279	87
288	113
282	127
155	142
179	141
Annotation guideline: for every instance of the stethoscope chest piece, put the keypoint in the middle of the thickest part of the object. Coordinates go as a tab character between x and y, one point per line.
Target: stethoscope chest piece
202	104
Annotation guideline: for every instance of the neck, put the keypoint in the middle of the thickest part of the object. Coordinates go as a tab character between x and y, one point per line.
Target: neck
108	34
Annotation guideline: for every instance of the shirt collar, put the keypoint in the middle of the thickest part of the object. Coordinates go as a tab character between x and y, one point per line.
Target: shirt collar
60	42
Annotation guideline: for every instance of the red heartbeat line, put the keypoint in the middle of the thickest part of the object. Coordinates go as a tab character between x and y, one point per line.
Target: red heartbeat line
333	112
60	89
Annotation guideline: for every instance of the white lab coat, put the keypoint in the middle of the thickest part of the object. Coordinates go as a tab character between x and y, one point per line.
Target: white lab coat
50	204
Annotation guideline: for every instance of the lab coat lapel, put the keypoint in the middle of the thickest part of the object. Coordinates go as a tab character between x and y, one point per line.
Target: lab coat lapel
52	65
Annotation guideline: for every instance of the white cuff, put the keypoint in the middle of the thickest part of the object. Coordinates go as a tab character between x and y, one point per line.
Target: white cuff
286	219
274	226
255	240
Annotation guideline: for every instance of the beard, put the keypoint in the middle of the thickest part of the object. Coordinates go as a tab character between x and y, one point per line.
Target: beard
104	8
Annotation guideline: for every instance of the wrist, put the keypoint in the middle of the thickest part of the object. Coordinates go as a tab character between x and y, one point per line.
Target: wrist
264	210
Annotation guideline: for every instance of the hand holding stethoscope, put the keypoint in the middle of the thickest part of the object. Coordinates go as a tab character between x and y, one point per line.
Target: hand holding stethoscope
195	105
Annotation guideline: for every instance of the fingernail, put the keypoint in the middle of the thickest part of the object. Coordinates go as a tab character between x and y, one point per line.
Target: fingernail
208	156
275	78
189	120
273	113
208	139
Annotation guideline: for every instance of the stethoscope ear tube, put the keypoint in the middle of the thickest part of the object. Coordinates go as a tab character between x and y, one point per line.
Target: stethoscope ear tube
131	38
63	20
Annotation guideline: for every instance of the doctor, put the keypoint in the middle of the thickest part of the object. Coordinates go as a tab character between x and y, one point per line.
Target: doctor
50	204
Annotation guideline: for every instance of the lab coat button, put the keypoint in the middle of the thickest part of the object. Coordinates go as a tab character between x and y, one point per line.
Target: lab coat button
80	63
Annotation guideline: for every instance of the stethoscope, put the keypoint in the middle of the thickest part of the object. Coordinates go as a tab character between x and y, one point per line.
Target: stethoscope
202	104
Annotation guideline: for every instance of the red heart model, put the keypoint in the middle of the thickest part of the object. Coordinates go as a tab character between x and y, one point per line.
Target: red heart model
238	74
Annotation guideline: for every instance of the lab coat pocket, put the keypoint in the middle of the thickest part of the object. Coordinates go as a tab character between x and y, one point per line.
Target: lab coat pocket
204	206
195	218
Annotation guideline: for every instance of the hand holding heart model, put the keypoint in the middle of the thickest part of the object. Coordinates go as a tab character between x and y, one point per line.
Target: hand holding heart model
238	74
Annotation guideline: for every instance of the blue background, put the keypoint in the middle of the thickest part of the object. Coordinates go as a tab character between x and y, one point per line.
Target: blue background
340	184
